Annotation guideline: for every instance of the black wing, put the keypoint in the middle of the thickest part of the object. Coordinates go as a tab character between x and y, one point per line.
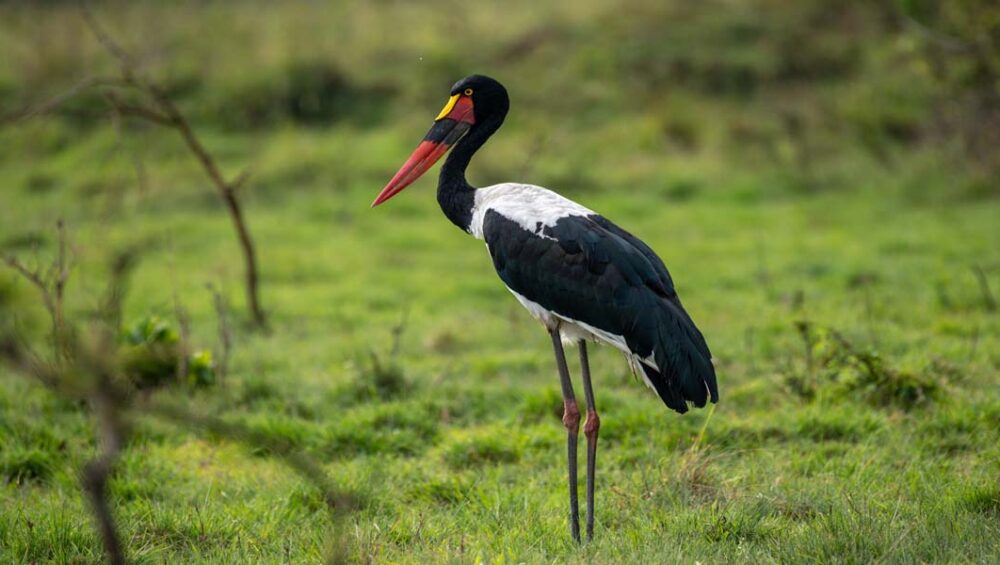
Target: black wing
661	271
587	269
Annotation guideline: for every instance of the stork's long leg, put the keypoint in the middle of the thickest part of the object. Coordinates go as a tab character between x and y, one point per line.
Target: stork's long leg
590	428
571	419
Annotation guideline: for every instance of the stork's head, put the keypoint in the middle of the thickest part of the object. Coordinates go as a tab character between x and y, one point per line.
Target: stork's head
475	99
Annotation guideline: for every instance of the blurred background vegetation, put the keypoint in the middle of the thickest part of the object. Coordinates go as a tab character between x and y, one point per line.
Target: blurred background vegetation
818	92
822	178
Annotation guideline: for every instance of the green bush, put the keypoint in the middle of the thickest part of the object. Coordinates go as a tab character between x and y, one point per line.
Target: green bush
21	465
308	92
152	353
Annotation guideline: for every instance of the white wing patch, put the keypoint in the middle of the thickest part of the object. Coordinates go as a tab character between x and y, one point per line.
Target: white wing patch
532	207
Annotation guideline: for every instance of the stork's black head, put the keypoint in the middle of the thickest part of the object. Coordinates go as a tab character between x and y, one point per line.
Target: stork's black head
489	97
475	100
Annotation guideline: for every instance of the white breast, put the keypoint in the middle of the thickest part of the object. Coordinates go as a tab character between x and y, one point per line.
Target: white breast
532	207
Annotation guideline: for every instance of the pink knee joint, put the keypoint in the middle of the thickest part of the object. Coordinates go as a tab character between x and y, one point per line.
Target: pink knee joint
571	416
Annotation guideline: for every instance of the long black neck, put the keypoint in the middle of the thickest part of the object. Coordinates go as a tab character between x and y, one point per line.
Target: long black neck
455	195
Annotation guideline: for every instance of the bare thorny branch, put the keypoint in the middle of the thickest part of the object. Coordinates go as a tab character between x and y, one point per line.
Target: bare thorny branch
35	278
53	103
165	113
99	390
159	109
51	286
109	394
113	405
88	370
112	436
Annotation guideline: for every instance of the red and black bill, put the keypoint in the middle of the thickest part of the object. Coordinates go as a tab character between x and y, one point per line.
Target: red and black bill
452	123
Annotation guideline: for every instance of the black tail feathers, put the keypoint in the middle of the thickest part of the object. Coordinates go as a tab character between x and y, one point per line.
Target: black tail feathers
676	394
686	373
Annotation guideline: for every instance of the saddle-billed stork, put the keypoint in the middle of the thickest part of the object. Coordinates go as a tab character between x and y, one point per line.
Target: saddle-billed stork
583	277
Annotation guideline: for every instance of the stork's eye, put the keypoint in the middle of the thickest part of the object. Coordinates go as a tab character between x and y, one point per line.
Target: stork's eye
468	92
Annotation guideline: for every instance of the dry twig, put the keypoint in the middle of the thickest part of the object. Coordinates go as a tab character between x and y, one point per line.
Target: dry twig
53	103
112	436
184	347
165	113
989	301
225	335
91	371
51	286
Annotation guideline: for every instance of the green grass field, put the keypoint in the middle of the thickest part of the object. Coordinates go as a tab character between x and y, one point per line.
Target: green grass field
813	217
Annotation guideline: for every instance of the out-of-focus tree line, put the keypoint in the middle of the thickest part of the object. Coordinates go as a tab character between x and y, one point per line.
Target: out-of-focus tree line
884	73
